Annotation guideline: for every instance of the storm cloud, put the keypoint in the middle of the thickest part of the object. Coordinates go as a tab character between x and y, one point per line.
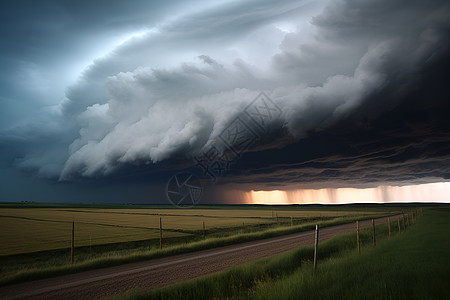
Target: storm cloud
360	87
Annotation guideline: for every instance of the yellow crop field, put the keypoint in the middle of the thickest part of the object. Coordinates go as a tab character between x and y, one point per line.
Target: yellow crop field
24	236
25	230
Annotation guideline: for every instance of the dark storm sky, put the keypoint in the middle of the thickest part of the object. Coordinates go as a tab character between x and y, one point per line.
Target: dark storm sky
106	101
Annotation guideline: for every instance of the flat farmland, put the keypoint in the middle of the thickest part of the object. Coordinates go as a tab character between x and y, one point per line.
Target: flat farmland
26	230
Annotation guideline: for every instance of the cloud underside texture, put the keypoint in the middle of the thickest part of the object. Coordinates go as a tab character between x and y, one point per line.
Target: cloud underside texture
360	87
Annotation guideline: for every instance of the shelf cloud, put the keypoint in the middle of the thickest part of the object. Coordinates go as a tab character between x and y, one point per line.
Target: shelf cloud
357	89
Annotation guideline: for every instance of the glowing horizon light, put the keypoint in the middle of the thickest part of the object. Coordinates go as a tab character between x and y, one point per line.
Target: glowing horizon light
431	192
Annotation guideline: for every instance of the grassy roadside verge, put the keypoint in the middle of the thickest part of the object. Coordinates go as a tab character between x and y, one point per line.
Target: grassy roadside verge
413	266
117	259
410	265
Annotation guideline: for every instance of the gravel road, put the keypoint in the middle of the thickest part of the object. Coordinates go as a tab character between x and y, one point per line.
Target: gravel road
150	274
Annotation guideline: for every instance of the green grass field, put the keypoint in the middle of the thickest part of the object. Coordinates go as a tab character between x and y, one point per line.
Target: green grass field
411	265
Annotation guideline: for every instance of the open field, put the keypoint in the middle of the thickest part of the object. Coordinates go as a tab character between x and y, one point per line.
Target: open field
164	271
412	264
27	230
108	235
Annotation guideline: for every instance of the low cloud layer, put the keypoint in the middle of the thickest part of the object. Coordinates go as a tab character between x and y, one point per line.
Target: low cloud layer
359	85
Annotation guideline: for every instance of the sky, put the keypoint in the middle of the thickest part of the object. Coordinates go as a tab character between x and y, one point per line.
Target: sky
245	101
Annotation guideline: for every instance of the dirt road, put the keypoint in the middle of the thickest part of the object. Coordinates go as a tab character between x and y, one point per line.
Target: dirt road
146	275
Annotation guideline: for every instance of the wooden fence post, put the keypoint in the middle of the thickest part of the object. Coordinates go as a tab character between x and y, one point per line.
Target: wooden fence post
404	221
389	226
316	245
160	233
73	242
292	222
204	232
398	220
357	237
373	231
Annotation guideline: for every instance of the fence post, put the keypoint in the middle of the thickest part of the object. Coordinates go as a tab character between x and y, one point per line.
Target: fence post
404	221
204	232
316	244
389	226
160	233
292	222
398	220
357	237
73	242
373	231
